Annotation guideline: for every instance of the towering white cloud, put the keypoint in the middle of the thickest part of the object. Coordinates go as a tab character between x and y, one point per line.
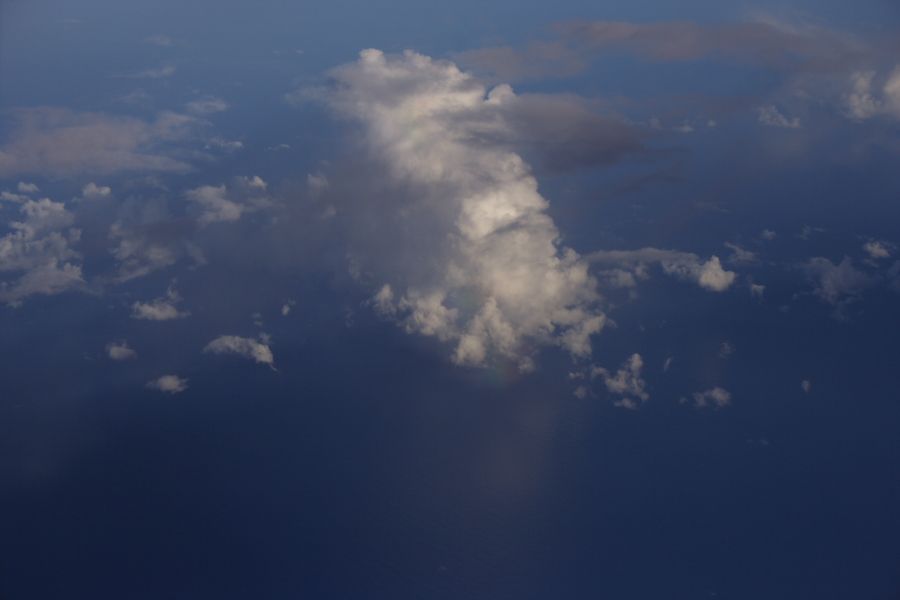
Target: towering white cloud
492	277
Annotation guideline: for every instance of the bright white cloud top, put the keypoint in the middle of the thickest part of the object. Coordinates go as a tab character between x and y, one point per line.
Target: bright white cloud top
498	283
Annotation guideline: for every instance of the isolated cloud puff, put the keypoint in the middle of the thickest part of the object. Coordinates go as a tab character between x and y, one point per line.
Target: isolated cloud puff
60	142
170	384
120	351
490	276
257	351
160	309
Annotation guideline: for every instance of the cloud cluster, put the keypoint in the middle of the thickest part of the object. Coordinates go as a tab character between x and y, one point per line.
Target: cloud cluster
837	284
489	274
38	252
221	203
626	382
627	266
714	397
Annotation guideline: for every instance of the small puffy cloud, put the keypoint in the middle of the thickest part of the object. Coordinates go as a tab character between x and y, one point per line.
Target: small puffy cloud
839	283
806	386
59	142
877	249
726	349
707	274
120	351
768	235
206	105
221	203
771	116
92	191
27	188
160	309
249	348
715	397
170	384
757	290
626	382
287	307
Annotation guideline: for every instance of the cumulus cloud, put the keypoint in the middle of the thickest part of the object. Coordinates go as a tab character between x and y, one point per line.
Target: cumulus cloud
120	351
489	274
626	382
223	203
38	251
92	191
708	274
170	384
249	348
806	386
27	188
838	283
771	116
740	255
60	142
160	309
715	397
877	249
872	97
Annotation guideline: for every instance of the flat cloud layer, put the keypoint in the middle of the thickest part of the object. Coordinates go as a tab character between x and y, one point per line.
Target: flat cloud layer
60	142
498	283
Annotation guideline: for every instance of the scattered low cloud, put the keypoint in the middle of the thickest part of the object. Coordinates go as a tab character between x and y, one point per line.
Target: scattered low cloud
837	284
120	351
160	309
170	384
877	249
806	386
255	350
626	382
206	105
92	191
58	142
771	116
39	252
160	72
712	398
223	203
708	274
